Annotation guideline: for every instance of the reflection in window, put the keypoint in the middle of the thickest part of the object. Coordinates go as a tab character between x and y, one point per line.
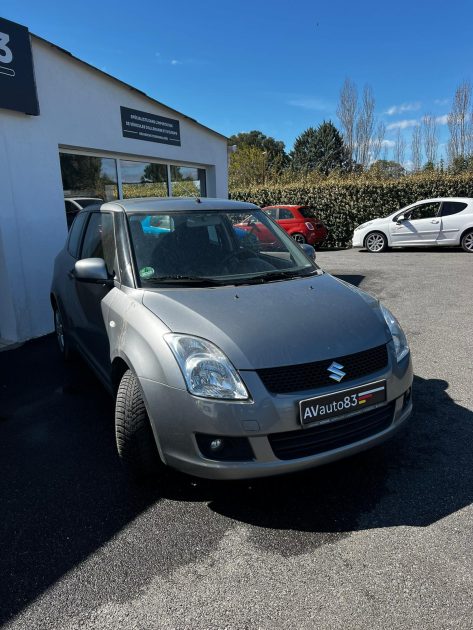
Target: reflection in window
143	179
188	181
88	177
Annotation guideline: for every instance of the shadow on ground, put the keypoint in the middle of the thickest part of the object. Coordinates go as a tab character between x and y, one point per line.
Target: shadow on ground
418	250
63	494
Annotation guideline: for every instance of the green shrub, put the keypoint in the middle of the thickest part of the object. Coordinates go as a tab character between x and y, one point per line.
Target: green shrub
342	204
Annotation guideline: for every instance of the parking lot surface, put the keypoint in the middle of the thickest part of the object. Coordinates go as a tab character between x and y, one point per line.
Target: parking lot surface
381	540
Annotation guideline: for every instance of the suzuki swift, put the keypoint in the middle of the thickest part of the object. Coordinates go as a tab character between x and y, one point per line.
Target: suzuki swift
229	357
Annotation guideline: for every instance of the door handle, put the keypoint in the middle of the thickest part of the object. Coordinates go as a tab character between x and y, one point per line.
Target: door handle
435	221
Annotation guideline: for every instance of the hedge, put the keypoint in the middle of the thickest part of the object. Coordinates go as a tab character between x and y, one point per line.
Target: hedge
344	204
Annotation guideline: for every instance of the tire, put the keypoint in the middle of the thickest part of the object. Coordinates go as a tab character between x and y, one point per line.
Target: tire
467	241
64	345
376	242
135	440
299	238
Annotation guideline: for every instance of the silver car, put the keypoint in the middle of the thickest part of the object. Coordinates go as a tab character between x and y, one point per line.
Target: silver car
231	354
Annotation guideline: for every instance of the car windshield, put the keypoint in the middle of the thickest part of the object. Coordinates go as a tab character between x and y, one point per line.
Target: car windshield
215	247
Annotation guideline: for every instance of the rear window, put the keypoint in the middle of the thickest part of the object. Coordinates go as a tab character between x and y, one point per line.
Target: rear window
308	213
452	207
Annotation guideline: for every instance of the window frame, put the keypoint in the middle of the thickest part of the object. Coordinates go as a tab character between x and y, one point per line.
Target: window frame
116	270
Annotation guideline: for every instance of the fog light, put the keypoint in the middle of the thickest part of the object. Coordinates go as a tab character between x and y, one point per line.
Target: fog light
216	445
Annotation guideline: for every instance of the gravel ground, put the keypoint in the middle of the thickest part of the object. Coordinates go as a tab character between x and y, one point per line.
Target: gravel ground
381	540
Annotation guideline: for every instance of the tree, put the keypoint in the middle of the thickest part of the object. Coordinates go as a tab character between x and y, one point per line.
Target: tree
346	112
430	138
386	169
416	149
247	166
399	148
320	150
276	156
460	123
365	128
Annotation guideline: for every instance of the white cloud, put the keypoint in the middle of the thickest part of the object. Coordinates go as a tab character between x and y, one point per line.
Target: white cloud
310	103
403	124
175	62
404	107
388	143
442	101
442	120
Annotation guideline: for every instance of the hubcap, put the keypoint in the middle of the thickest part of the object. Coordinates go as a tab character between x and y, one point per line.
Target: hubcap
298	238
375	242
59	329
469	242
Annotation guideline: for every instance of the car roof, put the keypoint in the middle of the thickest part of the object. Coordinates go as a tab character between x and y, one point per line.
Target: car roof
286	205
176	204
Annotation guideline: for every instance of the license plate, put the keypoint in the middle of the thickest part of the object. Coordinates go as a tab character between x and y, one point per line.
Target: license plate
322	409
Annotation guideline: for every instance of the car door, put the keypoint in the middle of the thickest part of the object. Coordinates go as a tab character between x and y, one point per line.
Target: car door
287	220
420	226
452	222
99	241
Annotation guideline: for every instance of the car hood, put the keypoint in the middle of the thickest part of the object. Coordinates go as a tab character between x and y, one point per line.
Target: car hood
277	323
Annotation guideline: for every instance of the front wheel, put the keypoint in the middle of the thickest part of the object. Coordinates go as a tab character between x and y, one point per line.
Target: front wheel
63	342
135	440
299	238
376	242
467	242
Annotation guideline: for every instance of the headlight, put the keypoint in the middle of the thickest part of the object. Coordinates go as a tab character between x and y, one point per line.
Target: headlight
206	370
363	225
399	338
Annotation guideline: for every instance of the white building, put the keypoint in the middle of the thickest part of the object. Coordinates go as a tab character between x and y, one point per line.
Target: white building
45	158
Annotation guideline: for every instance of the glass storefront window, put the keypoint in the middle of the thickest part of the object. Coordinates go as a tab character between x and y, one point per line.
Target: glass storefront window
188	181
143	179
89	177
87	180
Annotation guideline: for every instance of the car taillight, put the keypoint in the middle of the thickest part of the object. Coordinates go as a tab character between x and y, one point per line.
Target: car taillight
309	225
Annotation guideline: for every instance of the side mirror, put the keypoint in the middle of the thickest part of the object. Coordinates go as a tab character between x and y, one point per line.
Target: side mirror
400	218
308	251
92	270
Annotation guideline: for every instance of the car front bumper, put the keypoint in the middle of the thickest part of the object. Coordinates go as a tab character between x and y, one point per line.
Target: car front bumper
176	418
358	238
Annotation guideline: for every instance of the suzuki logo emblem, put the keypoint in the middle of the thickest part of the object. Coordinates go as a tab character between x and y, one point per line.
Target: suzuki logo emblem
336	372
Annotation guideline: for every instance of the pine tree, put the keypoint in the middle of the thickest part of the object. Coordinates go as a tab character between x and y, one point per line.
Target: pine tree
320	150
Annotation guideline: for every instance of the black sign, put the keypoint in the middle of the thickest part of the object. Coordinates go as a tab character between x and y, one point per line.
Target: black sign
17	84
144	126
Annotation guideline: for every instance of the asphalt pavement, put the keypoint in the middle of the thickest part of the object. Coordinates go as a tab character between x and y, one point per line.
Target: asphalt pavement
380	540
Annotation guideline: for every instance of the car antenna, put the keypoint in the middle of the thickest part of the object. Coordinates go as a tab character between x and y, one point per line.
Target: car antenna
198	200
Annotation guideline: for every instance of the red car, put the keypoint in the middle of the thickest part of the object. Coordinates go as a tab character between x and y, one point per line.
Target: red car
300	222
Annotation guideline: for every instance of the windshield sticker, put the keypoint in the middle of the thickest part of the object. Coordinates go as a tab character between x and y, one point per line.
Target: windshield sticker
146	272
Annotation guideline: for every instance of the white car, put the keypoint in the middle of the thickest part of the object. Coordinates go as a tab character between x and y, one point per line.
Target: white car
430	222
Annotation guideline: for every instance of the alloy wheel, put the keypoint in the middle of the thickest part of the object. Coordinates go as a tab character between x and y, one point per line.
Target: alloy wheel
375	243
468	242
59	329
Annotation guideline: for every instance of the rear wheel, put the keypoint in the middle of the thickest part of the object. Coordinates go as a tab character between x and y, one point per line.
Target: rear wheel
299	238
135	440
376	242
467	242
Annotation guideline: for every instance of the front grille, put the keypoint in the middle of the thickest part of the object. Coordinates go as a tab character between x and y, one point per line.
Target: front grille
293	378
320	439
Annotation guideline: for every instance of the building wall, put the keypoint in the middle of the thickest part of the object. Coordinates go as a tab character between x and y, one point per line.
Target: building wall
79	109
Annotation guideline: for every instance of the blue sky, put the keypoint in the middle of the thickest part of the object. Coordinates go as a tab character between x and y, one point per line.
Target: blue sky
274	66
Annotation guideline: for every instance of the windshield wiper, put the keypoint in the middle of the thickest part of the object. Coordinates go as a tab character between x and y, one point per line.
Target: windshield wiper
278	275
182	279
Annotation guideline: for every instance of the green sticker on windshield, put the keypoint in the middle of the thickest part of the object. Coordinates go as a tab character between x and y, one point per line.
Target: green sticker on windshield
146	272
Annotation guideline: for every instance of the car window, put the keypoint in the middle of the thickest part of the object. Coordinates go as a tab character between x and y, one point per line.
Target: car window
284	213
272	212
75	234
423	211
308	213
452	207
99	239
